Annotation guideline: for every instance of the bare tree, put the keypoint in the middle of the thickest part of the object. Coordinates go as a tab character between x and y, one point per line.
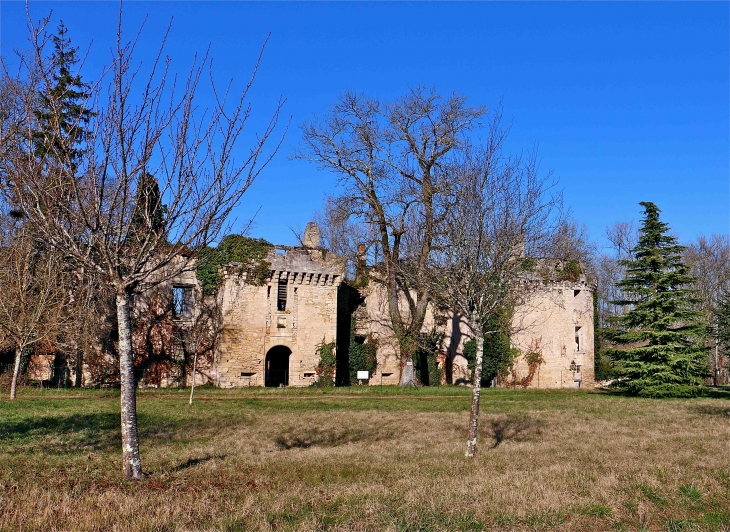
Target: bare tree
622	237
709	262
142	129
31	294
502	211
392	162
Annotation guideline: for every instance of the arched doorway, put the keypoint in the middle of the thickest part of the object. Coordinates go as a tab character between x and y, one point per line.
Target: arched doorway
277	366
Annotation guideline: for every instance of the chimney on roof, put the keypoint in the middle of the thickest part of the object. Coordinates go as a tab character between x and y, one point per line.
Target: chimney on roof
360	264
312	236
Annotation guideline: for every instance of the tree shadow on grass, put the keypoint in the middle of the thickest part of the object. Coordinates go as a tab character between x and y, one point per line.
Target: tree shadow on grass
306	438
192	462
504	428
95	432
711	410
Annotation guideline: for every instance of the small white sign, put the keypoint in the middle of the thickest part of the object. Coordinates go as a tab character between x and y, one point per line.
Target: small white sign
363	375
212	372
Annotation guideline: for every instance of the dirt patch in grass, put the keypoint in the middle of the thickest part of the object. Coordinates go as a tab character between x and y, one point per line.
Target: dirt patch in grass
358	460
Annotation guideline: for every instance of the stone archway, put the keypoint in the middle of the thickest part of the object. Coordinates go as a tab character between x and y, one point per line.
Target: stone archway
277	366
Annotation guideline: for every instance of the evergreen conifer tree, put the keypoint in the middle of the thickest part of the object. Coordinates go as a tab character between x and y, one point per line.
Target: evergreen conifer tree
62	115
148	218
662	336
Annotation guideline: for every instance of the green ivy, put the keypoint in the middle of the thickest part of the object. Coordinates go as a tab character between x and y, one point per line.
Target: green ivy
425	364
571	272
233	248
499	356
326	365
362	357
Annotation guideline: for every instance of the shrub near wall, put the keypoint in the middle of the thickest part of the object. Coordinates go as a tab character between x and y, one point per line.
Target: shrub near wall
326	366
363	356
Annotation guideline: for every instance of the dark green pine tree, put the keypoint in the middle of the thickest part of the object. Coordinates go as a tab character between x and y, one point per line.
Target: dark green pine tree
62	115
662	335
148	219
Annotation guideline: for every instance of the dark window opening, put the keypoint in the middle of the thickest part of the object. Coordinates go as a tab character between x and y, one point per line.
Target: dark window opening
577	339
575	293
359	340
182	301
281	298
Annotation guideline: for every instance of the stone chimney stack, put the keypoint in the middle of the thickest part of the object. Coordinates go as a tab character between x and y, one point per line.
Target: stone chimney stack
360	264
312	236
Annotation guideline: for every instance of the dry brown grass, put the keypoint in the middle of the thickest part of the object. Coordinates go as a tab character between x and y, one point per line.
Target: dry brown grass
304	460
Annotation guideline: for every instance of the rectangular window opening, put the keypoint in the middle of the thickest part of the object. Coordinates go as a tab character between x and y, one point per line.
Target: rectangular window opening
281	296
577	339
182	302
576	293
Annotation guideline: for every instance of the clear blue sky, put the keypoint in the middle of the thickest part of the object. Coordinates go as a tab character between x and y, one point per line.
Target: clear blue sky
627	102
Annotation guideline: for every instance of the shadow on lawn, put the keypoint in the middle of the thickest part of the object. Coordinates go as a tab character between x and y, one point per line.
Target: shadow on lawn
711	410
504	428
79	431
192	462
306	438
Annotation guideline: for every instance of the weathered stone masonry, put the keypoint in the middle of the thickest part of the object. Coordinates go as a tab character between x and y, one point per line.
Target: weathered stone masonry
271	332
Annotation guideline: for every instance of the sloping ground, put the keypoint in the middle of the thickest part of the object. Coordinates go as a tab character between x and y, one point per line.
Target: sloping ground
362	459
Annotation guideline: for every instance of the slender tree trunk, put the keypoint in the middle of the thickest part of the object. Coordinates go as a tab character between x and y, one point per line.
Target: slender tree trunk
192	385
16	372
132	464
79	363
471	444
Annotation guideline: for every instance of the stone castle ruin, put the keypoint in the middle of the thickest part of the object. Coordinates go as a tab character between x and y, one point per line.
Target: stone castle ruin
267	331
270	332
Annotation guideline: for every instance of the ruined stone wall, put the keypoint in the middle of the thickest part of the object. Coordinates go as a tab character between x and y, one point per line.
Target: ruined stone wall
253	324
549	322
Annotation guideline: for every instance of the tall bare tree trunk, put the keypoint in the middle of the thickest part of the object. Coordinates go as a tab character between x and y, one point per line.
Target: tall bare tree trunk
192	386
132	463
78	382
471	444
16	372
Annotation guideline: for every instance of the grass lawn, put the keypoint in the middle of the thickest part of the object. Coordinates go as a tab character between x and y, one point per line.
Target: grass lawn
366	459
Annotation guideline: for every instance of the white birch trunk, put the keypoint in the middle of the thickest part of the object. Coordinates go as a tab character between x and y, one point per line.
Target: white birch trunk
471	444
192	386
131	461
16	372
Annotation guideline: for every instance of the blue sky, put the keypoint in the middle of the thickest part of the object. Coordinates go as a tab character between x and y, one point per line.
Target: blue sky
627	102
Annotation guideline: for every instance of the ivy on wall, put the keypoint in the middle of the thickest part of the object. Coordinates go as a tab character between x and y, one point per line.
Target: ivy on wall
250	252
499	356
425	363
326	366
362	356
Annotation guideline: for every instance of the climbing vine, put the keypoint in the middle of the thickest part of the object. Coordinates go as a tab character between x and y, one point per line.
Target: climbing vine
533	357
425	359
249	252
499	355
362	356
326	366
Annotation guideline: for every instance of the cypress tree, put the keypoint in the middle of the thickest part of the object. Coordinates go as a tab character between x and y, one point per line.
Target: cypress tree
62	115
149	211
662	351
